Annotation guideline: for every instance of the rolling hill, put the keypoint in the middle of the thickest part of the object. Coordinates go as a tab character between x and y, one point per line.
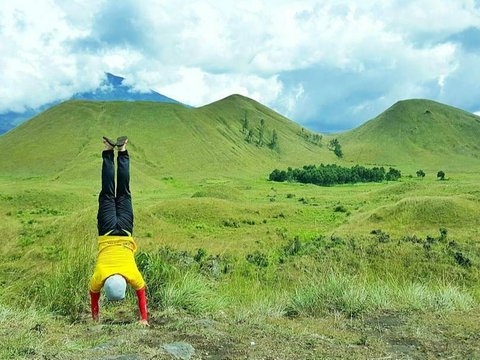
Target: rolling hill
165	140
416	133
169	139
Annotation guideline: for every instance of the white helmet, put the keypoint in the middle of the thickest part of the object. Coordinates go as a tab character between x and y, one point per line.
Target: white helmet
115	287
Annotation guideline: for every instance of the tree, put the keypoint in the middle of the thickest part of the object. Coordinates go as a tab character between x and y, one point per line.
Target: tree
261	132
249	137
334	145
393	174
245	123
420	173
338	151
274	142
278	175
441	175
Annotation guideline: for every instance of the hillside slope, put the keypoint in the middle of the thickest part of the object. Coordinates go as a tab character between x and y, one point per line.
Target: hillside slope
417	133
165	140
112	88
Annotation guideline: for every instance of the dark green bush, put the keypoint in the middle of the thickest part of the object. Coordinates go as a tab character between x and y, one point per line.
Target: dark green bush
257	258
330	174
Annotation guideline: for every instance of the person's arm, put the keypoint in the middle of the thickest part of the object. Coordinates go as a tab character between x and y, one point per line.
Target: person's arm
94	297
142	305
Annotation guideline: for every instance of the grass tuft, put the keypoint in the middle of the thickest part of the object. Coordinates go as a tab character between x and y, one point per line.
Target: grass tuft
353	296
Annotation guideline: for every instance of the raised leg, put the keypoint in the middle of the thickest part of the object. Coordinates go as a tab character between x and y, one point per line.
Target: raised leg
124	197
107	214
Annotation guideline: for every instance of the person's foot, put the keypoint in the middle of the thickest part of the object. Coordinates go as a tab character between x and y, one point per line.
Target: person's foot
122	143
109	145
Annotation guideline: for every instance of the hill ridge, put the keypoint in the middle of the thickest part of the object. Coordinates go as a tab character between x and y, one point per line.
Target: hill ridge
166	139
415	131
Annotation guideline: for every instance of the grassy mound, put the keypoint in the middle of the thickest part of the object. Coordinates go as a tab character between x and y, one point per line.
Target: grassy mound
222	192
453	211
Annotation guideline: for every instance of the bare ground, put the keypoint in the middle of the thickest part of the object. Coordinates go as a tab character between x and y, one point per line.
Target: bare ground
380	336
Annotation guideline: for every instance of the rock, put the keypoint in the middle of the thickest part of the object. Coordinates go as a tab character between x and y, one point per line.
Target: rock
95	328
180	350
122	357
102	346
108	345
206	323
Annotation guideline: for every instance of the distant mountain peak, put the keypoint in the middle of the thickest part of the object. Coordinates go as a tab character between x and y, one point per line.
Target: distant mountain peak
113	79
111	88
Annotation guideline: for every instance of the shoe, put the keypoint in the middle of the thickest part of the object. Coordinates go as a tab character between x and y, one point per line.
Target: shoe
110	142
121	141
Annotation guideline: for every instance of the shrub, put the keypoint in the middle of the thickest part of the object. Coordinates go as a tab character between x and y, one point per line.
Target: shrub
382	237
340	208
443	234
462	260
200	254
257	258
293	247
230	223
393	174
420	173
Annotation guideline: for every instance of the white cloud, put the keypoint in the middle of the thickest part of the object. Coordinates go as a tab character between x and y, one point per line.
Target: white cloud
306	59
206	87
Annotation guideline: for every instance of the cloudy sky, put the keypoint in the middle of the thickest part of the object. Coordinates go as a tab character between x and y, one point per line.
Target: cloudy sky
329	65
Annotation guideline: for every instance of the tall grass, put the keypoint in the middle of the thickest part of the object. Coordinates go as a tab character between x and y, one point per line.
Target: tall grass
423	275
354	296
20	332
65	291
172	288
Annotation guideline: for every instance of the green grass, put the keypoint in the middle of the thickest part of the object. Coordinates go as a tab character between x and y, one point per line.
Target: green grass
217	240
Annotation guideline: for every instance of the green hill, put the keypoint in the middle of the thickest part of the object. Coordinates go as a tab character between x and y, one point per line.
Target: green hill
416	133
166	140
170	140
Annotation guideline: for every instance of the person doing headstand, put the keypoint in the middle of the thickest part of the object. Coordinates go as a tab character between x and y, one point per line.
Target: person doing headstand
116	265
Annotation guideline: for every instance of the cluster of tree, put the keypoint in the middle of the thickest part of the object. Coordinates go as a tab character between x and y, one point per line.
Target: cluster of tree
440	174
332	174
421	173
315	139
258	136
334	145
393	174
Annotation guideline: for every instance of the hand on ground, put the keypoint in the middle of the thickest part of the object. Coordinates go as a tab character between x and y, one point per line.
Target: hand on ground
144	323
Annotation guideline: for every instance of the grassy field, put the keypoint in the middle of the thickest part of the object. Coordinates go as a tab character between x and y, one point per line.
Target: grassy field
272	256
236	265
